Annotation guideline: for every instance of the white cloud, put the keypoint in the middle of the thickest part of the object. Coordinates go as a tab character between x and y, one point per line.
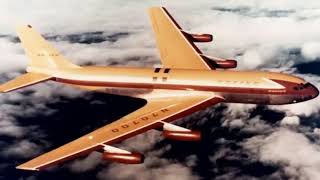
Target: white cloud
12	57
10	128
272	4
95	15
316	131
88	163
163	169
237	123
299	157
290	120
142	142
24	148
237	110
311	50
252	59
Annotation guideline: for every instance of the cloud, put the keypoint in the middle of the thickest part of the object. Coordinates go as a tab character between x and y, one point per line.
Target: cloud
12	57
252	59
299	158
311	50
237	123
290	120
161	170
316	131
10	128
24	149
86	164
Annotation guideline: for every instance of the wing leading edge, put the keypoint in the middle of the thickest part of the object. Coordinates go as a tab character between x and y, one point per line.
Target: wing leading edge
176	49
160	108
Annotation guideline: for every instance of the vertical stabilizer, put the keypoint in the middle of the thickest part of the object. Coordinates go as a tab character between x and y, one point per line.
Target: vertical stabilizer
41	54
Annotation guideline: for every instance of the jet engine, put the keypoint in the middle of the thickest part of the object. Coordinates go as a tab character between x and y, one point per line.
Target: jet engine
131	158
226	64
182	135
220	63
199	37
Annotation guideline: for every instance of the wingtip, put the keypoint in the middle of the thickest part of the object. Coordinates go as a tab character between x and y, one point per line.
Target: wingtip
21	167
156	7
24	27
2	90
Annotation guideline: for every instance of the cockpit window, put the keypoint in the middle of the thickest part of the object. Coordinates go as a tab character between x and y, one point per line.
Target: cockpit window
301	86
306	85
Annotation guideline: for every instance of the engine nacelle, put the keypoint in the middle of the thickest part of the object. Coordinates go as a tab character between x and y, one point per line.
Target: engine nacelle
132	158
226	64
220	63
200	37
182	135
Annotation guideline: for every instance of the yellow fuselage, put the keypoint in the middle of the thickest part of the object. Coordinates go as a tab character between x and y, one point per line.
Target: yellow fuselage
235	86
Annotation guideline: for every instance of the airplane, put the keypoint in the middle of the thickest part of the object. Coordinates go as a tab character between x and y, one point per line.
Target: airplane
187	82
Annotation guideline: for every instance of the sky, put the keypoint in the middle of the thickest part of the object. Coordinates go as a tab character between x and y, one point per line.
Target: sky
241	142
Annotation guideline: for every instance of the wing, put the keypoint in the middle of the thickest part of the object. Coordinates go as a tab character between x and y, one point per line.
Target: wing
176	49
24	80
160	108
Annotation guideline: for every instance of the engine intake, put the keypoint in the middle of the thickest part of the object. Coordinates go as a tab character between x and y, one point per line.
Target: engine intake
182	135
132	158
200	37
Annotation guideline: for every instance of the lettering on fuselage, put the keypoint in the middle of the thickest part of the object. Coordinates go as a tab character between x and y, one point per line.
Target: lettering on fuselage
136	122
278	91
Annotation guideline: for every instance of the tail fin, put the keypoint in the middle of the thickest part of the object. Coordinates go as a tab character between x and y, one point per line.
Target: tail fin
42	56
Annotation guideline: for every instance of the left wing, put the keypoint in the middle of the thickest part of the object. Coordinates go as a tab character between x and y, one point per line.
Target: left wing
24	80
162	106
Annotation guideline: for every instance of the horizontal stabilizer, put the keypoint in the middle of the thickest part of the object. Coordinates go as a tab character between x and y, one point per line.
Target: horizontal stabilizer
23	81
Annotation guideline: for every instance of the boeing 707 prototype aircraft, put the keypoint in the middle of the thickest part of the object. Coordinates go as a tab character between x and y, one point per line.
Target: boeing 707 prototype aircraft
188	81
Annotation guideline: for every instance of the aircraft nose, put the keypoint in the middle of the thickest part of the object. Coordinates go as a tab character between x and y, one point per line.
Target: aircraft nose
313	92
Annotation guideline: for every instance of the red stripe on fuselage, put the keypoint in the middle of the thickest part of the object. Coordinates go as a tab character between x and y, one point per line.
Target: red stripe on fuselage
183	87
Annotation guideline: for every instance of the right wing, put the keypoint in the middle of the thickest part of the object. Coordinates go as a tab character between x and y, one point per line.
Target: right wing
176	49
162	106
